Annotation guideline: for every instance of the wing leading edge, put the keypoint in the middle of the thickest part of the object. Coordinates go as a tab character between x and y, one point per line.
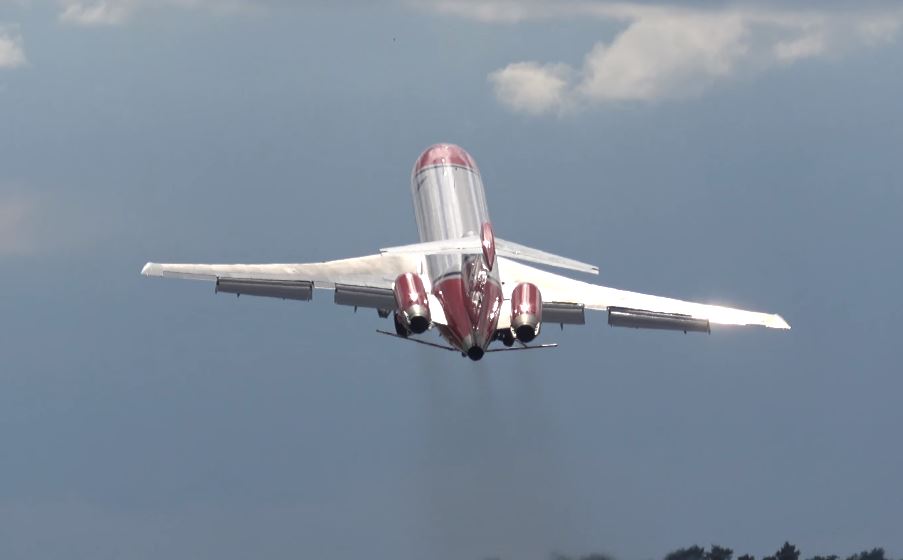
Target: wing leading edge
561	289
376	271
359	282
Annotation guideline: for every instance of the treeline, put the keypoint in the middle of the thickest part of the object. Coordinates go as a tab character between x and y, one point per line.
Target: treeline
786	552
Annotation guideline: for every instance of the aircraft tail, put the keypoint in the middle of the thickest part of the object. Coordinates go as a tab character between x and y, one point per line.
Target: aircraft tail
472	245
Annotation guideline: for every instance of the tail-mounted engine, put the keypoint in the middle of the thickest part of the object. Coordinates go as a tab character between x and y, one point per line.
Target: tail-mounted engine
412	301
526	311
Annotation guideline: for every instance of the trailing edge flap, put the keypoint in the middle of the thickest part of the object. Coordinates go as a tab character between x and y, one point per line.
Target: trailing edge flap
472	245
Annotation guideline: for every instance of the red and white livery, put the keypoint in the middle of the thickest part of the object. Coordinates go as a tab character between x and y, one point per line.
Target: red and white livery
460	279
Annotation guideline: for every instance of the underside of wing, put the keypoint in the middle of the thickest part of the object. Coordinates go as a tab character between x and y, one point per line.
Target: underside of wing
630	309
360	282
378	271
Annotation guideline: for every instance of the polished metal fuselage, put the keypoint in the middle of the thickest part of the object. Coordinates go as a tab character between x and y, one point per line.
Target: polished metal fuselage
449	203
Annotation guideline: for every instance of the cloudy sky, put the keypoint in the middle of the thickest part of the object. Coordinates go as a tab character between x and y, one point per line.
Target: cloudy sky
745	153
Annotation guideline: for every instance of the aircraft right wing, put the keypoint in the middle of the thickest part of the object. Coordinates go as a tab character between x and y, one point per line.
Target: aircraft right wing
565	298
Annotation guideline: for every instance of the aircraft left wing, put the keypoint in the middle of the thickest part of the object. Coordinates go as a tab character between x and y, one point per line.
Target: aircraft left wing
628	309
360	282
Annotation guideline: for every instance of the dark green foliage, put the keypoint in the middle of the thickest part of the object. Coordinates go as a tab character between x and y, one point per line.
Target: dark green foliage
787	552
873	554
691	553
595	556
695	552
720	553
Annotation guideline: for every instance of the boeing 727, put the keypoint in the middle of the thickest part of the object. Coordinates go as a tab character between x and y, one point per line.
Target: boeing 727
460	279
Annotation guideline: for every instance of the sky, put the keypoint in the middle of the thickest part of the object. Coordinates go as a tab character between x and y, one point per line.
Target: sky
742	153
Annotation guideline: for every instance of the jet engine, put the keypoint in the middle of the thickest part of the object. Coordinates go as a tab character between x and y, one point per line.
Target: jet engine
526	311
412	301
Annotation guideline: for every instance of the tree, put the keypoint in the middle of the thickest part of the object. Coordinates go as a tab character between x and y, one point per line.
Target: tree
720	553
691	553
873	554
747	557
787	552
594	556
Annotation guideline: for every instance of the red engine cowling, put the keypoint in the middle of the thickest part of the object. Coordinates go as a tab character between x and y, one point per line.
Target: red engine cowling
526	311
412	301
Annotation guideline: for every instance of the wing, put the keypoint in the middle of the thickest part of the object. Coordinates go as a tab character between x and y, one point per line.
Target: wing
361	282
564	296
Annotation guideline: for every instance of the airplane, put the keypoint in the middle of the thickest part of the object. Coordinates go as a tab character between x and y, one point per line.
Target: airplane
460	279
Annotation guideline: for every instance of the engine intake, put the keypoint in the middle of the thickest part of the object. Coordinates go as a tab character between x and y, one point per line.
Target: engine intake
526	311
412	301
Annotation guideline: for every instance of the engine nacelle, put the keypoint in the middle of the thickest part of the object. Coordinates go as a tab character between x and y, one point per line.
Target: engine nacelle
526	311
412	301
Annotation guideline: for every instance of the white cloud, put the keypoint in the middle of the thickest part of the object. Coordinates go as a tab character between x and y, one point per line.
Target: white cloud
803	47
670	50
15	213
664	56
12	54
41	222
103	12
114	12
880	30
530	87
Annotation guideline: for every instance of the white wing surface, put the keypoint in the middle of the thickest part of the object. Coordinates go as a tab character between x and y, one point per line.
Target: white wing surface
560	289
362	281
377	271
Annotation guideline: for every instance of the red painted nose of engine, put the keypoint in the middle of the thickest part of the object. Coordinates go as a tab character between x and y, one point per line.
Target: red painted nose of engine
444	154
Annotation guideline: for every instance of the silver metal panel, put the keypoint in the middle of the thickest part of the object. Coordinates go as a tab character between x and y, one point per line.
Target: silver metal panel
563	313
449	203
639	319
285	289
364	296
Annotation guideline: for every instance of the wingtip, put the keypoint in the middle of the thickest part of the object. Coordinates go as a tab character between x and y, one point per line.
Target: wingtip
778	322
150	269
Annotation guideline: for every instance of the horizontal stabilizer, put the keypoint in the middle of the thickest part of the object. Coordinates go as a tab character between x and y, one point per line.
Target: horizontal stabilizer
524	347
523	253
460	246
418	341
471	245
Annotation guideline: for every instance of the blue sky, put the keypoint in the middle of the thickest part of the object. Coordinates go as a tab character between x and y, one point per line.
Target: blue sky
746	154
